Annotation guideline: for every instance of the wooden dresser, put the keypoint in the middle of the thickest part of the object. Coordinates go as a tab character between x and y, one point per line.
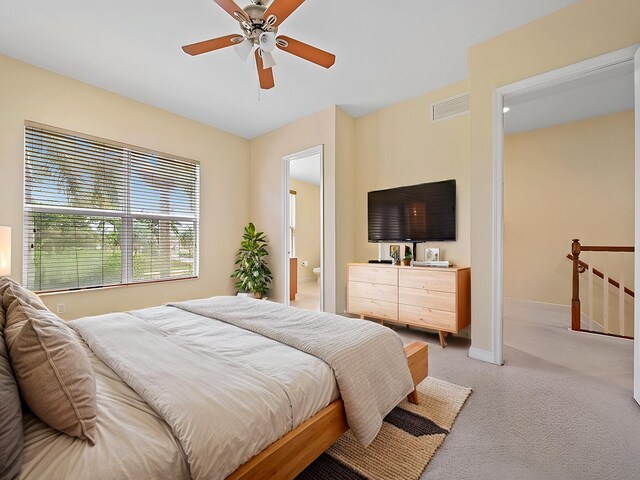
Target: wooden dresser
434	298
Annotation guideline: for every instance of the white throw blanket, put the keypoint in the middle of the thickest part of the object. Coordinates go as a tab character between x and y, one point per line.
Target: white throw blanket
368	360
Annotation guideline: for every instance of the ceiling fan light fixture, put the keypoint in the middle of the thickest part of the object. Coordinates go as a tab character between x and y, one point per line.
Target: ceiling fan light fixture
268	41
267	60
244	49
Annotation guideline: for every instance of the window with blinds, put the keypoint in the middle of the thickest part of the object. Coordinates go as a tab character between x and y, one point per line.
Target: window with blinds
98	213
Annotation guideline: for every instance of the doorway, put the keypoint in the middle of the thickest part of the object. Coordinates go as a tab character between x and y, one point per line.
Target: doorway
507	97
303	215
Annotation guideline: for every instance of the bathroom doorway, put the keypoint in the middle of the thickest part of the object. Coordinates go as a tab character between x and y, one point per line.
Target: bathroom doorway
303	222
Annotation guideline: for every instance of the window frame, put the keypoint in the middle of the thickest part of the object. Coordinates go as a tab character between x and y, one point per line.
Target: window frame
126	215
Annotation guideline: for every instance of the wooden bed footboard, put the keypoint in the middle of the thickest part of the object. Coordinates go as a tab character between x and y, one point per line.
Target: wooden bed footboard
290	455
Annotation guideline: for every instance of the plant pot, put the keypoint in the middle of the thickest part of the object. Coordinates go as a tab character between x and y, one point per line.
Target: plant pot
246	294
406	262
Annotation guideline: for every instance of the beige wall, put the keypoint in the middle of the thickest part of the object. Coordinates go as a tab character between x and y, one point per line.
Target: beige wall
584	30
267	152
307	227
345	208
568	181
30	93
399	146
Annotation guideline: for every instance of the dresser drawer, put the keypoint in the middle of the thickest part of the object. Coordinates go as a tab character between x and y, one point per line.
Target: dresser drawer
444	281
427	317
420	297
374	291
381	275
373	308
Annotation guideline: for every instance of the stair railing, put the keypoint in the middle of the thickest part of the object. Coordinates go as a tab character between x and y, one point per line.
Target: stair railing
580	267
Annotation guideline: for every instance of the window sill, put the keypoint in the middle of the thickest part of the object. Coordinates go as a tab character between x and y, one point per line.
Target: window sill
46	293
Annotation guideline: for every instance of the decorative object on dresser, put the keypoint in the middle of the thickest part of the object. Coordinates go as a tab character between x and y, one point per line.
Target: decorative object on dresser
408	256
433	298
431	254
394	253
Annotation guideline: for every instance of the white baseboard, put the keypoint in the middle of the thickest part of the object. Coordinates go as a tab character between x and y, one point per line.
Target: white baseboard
551	314
482	355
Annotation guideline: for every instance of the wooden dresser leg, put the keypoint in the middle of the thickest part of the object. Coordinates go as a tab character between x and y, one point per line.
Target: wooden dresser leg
441	334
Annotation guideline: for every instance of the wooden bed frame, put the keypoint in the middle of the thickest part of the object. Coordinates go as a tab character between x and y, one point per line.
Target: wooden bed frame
289	456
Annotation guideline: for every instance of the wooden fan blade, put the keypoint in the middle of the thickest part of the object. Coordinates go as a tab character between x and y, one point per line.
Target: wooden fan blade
264	74
282	9
211	45
232	9
302	50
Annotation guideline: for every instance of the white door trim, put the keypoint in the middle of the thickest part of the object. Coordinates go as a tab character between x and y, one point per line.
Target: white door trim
636	308
537	82
286	246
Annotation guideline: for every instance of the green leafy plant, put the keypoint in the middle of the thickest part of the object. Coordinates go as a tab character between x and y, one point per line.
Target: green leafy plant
253	274
408	256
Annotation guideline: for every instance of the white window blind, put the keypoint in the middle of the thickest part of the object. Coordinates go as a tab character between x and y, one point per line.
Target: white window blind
99	213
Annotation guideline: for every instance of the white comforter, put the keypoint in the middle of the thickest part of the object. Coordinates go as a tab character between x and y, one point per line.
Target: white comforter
224	392
367	359
133	441
223	408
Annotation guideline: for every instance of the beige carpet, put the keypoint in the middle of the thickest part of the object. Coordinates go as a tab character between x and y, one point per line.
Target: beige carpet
409	438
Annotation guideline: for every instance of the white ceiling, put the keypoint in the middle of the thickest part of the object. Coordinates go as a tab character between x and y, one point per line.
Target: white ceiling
608	91
387	51
306	169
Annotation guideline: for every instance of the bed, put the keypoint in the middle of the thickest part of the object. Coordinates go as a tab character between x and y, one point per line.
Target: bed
219	388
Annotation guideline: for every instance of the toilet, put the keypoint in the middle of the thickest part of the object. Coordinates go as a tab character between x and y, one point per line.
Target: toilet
316	272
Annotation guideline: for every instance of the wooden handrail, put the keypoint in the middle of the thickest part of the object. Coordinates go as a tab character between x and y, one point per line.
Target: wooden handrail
598	273
591	248
580	267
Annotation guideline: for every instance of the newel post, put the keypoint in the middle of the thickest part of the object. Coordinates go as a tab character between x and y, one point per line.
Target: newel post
575	300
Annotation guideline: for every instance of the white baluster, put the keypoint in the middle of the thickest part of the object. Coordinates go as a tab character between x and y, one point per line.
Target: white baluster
605	289
590	279
621	295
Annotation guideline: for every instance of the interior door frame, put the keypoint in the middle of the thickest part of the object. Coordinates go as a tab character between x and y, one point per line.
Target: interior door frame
286	244
539	82
636	309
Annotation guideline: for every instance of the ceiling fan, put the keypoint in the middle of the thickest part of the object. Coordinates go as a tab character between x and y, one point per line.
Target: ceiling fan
259	25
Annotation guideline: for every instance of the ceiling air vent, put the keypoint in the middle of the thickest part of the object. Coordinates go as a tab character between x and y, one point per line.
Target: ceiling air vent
450	107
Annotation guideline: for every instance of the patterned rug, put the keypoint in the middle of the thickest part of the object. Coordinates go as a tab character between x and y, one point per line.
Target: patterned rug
409	438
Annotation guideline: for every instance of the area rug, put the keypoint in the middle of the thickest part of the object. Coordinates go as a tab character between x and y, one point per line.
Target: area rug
409	438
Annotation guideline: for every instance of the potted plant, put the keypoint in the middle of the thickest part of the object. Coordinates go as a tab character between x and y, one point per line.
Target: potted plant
252	274
408	256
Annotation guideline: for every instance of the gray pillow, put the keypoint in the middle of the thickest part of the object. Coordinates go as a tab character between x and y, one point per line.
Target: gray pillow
11	433
53	371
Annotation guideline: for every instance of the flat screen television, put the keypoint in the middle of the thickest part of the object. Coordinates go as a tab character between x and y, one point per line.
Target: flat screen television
417	213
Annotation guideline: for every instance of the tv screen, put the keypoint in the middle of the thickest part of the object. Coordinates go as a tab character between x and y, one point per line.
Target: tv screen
418	213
